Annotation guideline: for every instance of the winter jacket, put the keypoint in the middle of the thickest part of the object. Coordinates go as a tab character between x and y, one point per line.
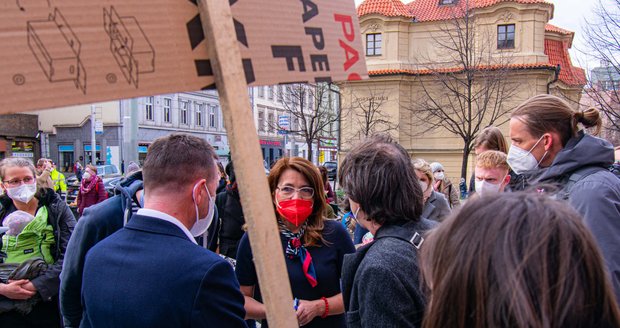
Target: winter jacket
232	221
381	281
596	196
450	191
60	185
94	196
97	222
436	207
62	221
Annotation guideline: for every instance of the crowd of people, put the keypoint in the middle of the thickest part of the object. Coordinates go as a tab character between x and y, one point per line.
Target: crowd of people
537	243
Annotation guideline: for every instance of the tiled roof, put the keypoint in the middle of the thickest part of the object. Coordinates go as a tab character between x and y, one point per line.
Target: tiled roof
553	28
390	8
426	10
557	51
455	69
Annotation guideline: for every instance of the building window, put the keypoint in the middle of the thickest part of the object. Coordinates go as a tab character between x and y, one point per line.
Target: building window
212	119
373	44
270	89
271	121
261	121
261	92
447	2
506	36
199	114
167	108
184	110
148	108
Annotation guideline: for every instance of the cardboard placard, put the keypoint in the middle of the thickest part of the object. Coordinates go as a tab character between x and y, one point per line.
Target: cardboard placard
67	52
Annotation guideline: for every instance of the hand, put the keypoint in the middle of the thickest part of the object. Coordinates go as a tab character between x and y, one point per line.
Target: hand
16	289
29	286
308	310
74	204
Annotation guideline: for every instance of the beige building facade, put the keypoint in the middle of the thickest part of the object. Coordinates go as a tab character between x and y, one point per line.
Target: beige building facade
408	54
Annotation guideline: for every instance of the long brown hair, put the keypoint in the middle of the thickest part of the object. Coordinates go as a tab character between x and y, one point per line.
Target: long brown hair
545	113
314	230
491	138
516	260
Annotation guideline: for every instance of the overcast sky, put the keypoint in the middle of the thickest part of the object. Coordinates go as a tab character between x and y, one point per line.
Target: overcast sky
570	15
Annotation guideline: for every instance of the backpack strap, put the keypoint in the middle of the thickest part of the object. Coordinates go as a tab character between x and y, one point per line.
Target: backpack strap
401	233
576	177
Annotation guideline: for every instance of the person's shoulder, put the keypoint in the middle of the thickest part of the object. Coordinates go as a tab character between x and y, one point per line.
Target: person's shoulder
599	181
334	231
105	213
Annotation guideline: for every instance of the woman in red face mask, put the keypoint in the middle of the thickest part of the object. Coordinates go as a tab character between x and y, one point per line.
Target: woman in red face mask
314	248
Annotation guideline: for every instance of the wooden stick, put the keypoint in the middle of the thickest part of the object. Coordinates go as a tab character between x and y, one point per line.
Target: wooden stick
256	200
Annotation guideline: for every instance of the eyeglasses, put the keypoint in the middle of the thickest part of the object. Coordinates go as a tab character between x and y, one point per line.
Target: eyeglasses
18	182
289	192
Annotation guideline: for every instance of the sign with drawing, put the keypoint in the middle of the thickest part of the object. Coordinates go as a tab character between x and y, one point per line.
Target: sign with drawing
67	52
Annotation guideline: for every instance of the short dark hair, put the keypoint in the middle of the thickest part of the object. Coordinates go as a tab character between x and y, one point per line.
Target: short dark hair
176	160
516	260
378	174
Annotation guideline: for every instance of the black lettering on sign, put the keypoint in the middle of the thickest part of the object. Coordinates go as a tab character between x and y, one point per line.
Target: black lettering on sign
320	61
290	53
310	10
326	79
28	251
194	30
196	36
317	37
203	67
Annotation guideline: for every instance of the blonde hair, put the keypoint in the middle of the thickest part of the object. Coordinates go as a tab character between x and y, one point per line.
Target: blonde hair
423	166
492	159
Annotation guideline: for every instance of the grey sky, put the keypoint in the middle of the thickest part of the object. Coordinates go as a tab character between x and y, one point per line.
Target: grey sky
570	15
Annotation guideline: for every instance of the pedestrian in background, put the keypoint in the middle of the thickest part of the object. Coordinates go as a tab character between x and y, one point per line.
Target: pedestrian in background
549	148
223	178
490	138
92	191
436	205
228	203
43	170
444	185
77	169
314	248
516	260
380	282
58	179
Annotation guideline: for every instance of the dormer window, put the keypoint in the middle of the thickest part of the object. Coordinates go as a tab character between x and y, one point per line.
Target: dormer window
447	2
373	44
506	36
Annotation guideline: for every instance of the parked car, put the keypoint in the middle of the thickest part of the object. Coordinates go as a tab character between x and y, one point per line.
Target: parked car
108	173
332	170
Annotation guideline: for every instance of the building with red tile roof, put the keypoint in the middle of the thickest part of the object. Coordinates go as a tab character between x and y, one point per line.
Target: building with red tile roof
405	59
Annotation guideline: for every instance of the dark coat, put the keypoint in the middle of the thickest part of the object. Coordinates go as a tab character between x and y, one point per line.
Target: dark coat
98	222
149	274
232	221
381	281
436	207
596	196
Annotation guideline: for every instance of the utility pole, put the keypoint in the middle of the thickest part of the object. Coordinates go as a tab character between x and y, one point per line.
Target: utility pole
93	136
130	130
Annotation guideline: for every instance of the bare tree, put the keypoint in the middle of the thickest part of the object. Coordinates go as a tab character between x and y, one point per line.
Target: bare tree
603	39
468	91
366	113
311	110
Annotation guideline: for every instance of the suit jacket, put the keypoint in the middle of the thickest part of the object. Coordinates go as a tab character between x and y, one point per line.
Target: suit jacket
149	274
436	207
